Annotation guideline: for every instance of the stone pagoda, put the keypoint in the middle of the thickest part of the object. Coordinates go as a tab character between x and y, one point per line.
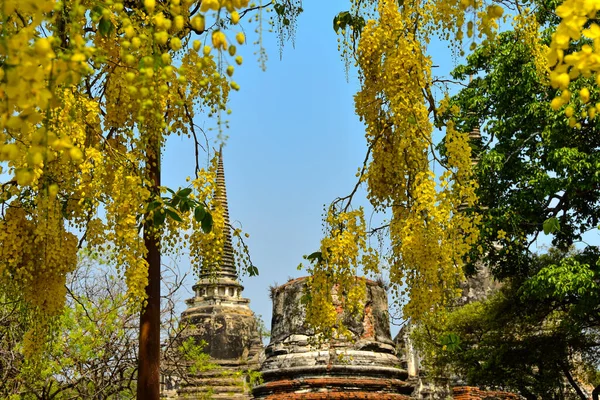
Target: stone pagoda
364	366
220	316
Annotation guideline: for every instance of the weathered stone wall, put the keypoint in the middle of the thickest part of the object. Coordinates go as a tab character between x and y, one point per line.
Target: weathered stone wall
223	319
478	286
228	382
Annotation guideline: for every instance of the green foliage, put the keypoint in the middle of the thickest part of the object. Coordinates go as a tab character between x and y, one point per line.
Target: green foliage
568	277
317	256
536	173
345	20
91	350
254	377
180	202
252	270
528	336
551	225
194	354
12	310
286	15
263	332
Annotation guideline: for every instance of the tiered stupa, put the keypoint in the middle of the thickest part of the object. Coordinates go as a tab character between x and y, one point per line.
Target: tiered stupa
220	316
363	366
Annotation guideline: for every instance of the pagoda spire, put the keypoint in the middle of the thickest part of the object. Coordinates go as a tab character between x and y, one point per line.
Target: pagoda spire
227	267
219	316
475	143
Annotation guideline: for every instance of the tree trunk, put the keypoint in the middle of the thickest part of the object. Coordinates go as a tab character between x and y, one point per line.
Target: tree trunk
574	384
148	385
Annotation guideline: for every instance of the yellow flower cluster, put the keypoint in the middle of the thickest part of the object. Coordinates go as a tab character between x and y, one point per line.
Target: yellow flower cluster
321	313
89	92
129	197
568	61
450	19
432	238
527	28
333	273
575	22
38	253
432	227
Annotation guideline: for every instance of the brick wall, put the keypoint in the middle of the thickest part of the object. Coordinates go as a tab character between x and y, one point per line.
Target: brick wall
338	396
474	393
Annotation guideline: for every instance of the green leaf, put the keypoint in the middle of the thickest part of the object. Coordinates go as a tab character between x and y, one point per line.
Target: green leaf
96	11
199	213
317	255
174	201
341	20
451	341
6	199
551	225
105	27
159	218
252	270
184	192
185	205
358	23
173	214
207	223
336	27
153	205
279	9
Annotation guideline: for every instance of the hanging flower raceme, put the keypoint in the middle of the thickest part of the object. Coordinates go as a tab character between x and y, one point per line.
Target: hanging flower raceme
89	93
333	272
432	225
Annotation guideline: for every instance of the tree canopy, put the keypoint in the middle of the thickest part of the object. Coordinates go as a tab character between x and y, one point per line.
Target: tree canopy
90	91
535	167
538	337
538	184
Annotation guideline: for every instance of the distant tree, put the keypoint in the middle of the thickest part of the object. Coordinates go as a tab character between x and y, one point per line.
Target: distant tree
537	176
93	343
536	170
92	350
540	337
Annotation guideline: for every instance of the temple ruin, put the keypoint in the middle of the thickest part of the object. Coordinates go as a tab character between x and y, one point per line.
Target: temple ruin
296	365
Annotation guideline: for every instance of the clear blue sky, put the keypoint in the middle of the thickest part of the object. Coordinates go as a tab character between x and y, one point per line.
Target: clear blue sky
295	143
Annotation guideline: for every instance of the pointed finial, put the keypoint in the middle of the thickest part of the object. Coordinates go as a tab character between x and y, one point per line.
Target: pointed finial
227	267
